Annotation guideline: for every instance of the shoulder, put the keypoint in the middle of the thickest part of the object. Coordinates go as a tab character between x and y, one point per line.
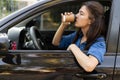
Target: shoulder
98	49
100	39
99	43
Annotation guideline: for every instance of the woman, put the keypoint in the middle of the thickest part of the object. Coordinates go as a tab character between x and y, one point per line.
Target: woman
90	36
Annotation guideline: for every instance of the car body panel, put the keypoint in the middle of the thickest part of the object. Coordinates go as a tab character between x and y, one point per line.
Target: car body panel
114	27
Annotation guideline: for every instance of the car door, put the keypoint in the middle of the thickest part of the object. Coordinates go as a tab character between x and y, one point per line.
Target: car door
52	63
117	58
112	57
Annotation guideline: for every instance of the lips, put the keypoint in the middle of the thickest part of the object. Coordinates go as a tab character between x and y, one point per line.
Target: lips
76	21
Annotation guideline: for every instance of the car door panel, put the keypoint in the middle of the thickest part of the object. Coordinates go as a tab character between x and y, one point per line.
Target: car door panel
48	65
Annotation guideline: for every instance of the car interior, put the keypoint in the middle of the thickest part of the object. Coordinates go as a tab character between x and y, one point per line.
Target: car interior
36	32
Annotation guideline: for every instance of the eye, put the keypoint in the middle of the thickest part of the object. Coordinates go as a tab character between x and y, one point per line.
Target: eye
81	13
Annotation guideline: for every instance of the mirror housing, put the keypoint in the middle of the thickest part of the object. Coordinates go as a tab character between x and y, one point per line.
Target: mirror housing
4	43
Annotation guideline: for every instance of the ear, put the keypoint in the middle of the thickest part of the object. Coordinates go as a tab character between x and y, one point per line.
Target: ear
92	20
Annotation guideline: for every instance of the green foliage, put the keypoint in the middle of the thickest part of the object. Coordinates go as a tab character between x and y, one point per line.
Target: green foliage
7	6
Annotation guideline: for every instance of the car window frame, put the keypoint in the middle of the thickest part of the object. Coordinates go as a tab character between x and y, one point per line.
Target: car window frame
113	29
38	11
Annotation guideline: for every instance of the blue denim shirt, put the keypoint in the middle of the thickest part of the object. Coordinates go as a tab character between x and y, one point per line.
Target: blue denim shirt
97	49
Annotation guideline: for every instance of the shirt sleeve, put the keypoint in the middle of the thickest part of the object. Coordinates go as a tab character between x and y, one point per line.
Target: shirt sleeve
98	49
66	40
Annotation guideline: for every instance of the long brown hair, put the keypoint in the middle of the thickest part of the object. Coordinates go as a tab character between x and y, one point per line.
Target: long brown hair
97	27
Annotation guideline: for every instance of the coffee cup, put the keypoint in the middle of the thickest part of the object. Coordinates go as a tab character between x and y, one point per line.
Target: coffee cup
68	18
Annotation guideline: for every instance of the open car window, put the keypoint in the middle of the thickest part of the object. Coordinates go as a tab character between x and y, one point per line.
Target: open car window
47	22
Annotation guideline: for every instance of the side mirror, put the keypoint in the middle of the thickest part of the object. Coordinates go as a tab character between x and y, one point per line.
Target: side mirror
4	51
4	43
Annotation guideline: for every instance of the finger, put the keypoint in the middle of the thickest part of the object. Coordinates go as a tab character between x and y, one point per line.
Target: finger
68	48
65	13
68	23
71	12
61	14
68	13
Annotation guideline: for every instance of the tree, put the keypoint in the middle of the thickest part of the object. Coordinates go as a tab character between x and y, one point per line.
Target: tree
7	6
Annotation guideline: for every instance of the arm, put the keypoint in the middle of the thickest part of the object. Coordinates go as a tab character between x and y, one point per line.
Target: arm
88	63
58	34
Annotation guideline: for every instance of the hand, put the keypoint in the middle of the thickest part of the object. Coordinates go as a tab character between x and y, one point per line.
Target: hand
65	17
70	47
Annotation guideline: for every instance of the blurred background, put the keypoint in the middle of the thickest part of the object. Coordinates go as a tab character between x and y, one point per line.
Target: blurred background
9	6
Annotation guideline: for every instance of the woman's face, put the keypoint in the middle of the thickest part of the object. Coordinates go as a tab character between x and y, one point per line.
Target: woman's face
82	18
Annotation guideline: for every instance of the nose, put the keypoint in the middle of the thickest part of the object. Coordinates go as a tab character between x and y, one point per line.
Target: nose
76	15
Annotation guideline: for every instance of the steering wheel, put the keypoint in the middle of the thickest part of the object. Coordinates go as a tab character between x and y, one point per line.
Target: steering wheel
36	37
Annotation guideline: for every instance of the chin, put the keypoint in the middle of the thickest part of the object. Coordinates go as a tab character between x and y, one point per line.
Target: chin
76	25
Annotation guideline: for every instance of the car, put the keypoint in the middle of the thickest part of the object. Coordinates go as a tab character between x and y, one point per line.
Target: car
26	51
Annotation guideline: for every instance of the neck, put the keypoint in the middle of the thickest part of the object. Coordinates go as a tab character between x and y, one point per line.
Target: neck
84	31
84	39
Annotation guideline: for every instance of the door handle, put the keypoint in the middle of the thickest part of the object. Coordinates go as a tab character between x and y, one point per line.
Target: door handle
92	75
